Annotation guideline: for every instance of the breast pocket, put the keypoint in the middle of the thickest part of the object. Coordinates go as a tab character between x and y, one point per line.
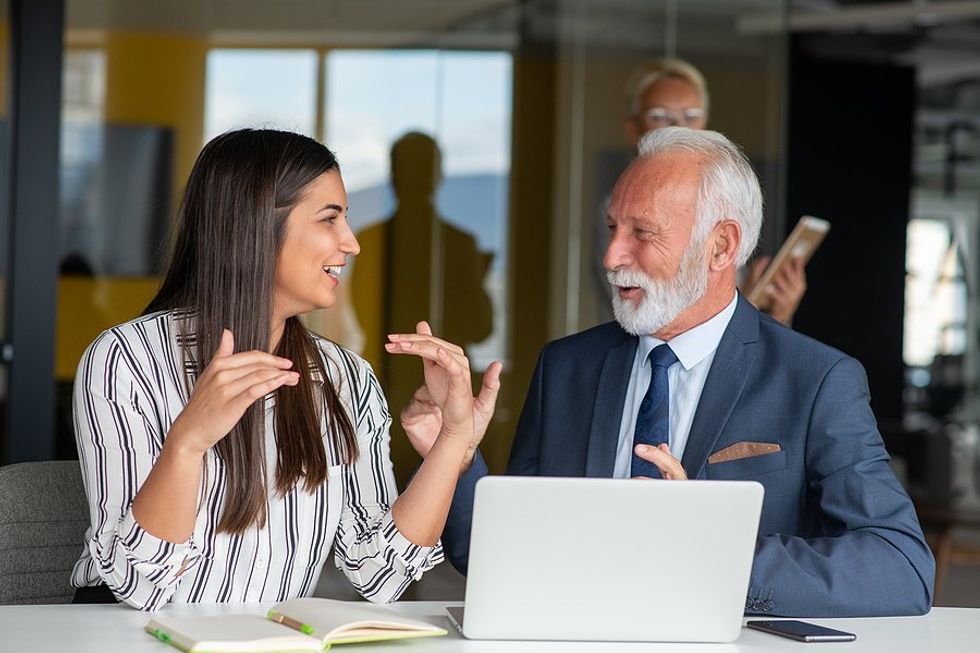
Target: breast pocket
747	467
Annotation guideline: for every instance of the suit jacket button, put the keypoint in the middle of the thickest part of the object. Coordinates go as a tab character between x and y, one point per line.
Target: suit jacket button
748	604
768	605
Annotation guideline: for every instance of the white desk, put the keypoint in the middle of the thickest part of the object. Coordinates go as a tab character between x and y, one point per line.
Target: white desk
109	628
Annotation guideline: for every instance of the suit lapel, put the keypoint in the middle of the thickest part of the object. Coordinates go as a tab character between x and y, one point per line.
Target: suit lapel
729	371
610	395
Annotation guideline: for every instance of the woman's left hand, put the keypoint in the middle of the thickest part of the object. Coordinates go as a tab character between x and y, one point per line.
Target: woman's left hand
447	377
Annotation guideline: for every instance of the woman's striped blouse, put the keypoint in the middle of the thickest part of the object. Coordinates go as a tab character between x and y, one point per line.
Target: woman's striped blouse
129	390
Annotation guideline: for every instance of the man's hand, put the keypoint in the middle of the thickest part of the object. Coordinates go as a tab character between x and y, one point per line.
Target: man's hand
786	289
670	468
422	419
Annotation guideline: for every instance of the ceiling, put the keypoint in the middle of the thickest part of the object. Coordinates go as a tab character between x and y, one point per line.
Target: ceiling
940	37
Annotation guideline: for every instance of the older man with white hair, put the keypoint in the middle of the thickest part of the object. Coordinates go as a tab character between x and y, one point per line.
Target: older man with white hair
691	381
672	92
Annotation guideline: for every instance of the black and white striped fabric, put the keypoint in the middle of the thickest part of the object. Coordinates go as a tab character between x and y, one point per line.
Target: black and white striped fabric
128	391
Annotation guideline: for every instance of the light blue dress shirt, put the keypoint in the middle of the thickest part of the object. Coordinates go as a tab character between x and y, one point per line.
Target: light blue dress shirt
695	350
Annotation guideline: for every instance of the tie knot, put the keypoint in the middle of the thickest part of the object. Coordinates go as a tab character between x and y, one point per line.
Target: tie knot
662	356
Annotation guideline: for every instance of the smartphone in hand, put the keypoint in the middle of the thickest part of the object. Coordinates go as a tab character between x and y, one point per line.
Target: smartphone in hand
801	631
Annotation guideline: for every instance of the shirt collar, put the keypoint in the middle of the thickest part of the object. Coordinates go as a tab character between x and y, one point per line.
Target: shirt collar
694	345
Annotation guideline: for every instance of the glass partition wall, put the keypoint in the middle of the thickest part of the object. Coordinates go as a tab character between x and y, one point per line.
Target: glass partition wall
477	139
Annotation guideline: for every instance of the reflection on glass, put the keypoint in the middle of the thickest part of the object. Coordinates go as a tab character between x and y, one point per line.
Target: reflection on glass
416	265
106	230
435	125
463	100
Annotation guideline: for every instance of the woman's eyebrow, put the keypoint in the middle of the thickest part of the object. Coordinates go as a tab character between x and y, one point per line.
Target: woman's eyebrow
335	207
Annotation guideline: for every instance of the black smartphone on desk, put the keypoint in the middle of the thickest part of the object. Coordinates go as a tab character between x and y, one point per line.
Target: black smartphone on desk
801	631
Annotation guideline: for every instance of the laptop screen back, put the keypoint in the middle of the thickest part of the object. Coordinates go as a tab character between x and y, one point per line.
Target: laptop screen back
610	560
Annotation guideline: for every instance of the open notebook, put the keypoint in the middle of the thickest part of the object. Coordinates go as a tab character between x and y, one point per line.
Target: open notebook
294	625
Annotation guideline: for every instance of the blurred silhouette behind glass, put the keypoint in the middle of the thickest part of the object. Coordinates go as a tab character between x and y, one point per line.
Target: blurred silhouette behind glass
415	265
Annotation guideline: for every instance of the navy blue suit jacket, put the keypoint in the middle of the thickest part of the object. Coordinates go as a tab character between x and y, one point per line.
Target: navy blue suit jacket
838	535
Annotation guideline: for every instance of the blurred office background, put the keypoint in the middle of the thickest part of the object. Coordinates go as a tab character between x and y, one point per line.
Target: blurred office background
477	139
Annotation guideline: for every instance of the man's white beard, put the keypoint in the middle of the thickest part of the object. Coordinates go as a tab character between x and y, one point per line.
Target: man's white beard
662	301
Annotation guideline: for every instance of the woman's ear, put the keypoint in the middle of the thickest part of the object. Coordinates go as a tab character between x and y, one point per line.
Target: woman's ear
725	239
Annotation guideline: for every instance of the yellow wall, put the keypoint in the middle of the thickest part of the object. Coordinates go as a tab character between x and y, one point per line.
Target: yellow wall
151	79
159	79
88	306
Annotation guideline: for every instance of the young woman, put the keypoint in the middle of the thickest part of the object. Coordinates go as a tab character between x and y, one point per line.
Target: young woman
226	449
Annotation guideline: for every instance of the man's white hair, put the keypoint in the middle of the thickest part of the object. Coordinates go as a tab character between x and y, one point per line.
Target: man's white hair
653	71
729	188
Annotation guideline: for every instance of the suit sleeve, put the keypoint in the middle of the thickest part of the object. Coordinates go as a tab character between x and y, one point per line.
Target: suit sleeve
526	450
523	462
873	559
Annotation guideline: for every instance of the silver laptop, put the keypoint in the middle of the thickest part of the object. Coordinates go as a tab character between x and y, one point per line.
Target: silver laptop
609	560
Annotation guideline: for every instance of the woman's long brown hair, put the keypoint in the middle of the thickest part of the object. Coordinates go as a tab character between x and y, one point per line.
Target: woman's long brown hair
230	228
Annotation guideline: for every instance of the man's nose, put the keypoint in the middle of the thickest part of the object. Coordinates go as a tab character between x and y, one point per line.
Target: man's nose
617	253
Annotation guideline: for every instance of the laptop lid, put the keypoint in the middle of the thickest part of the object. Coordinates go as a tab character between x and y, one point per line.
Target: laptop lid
610	560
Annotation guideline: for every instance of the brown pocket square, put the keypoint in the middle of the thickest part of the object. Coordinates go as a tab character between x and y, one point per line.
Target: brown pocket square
741	450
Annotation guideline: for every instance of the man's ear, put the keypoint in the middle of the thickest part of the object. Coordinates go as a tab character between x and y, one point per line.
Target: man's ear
725	239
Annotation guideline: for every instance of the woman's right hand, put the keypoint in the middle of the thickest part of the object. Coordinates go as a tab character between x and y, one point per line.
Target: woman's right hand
223	392
422	418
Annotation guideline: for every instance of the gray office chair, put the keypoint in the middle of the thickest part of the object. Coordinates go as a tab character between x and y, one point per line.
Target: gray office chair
43	517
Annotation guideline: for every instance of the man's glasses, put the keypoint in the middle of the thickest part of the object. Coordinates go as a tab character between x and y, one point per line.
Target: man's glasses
663	117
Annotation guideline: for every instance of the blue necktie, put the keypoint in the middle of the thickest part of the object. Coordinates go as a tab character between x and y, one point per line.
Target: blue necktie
653	420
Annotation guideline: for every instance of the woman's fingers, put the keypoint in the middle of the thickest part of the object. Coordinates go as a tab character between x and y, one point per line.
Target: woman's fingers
219	399
422	337
227	345
428	350
250	358
257	377
230	376
459	372
457	367
256	391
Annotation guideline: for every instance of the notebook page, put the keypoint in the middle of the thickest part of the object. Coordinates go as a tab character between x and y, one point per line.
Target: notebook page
245	633
331	620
